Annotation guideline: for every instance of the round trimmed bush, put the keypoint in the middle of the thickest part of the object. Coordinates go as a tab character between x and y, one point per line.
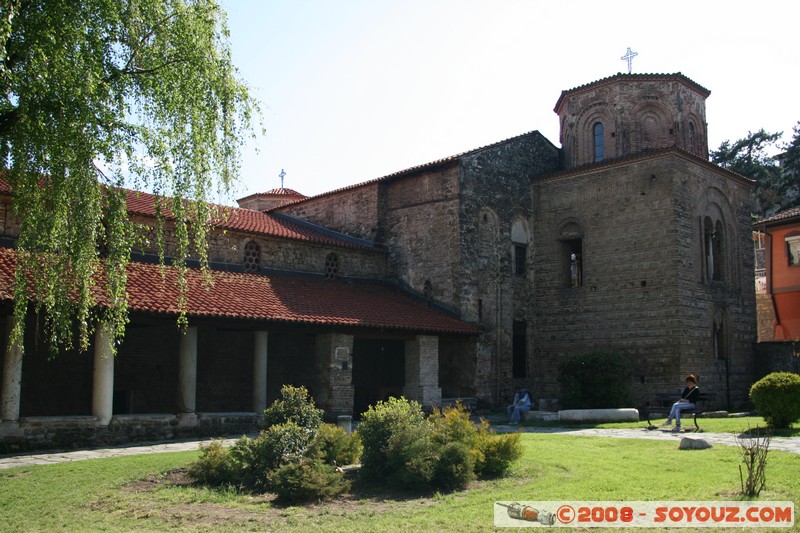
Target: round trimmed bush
594	380
777	398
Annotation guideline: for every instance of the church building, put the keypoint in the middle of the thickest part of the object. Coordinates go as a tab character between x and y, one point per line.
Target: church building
461	277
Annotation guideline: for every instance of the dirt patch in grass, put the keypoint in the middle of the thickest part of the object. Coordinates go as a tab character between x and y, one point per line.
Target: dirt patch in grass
253	510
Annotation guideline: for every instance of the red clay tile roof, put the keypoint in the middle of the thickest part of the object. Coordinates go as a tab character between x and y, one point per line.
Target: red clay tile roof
281	191
787	215
248	220
238	219
280	299
412	170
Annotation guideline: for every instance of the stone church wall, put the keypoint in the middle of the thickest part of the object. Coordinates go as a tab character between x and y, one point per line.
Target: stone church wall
227	250
355	211
495	197
642	291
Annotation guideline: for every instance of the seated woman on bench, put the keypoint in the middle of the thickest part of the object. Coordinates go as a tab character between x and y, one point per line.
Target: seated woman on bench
688	399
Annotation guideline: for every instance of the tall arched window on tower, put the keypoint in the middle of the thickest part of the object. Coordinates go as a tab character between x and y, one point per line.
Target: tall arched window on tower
713	249
692	138
599	143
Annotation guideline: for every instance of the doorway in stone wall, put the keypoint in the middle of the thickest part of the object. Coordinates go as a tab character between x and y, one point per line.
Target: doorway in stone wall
378	371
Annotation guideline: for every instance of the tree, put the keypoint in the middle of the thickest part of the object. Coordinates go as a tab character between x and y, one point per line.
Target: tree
750	157
94	92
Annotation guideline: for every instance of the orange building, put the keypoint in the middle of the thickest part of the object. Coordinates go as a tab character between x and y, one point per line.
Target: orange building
782	252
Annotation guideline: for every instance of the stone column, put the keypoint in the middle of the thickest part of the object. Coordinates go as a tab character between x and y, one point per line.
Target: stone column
260	373
12	377
187	378
422	370
334	368
103	375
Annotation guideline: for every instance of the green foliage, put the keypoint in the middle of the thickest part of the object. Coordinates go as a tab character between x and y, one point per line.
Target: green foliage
307	480
333	445
777	185
295	405
216	466
447	450
777	398
96	94
377	427
412	457
455	467
498	452
594	380
275	446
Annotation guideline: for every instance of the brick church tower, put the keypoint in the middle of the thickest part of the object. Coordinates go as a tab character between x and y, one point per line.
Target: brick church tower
630	113
642	246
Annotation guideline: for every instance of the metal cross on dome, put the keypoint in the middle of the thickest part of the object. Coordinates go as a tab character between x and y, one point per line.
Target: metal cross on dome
282	175
629	55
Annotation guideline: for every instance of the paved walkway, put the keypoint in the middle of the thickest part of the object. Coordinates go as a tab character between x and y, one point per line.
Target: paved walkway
791	445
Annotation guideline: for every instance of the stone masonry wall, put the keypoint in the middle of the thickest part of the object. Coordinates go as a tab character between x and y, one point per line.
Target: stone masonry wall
354	211
643	292
275	253
636	114
422	224
495	195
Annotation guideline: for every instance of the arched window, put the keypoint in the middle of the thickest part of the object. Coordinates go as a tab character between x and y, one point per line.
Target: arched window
713	249
331	266
571	245
599	143
519	238
692	138
252	257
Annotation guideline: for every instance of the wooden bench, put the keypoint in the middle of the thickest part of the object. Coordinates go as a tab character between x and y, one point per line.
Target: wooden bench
663	404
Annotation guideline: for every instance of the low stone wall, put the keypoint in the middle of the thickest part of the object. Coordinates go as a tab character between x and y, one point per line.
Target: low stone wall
65	432
598	415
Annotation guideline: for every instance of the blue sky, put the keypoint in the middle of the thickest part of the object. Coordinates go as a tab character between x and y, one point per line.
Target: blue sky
352	90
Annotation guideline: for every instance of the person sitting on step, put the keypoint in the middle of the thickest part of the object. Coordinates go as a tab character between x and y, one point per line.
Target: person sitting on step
521	404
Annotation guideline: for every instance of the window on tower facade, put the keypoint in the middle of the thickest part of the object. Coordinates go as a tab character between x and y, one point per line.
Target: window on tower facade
520	252
519	349
713	249
599	143
573	251
692	138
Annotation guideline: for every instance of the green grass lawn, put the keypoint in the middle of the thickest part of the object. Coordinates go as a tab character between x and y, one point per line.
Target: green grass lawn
737	425
143	493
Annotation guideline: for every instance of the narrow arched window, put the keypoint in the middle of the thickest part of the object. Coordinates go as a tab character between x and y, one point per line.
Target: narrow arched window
599	143
713	250
692	138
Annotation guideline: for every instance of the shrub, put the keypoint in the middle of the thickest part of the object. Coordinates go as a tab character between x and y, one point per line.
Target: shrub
412	458
377	427
216	466
777	398
455	467
333	445
454	425
309	479
497	453
275	446
594	380
295	405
